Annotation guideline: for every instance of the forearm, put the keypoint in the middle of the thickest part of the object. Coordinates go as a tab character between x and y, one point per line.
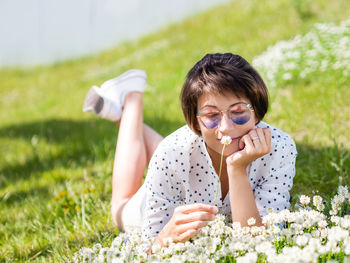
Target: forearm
242	199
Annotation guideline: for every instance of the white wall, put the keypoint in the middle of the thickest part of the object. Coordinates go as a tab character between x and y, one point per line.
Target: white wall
43	31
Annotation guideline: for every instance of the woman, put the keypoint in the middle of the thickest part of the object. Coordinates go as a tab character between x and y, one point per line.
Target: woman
222	96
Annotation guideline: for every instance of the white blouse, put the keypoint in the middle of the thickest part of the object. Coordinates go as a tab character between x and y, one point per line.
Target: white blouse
181	172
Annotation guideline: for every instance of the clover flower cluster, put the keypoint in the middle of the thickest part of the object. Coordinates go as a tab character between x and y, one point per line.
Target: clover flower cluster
326	47
309	234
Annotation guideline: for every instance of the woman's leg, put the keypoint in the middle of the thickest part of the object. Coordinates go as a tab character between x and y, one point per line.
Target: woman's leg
135	146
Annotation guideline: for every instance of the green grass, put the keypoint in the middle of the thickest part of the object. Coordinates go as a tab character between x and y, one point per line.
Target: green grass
49	146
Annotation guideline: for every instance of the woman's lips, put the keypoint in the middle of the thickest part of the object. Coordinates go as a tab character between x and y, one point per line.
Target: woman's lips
232	139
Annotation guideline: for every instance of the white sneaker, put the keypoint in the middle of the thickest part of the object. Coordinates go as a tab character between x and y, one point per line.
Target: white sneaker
98	103
131	80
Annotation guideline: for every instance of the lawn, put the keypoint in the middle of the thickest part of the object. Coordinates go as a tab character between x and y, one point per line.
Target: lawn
56	161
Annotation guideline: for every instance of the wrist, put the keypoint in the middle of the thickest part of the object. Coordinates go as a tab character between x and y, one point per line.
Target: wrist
236	165
237	171
241	168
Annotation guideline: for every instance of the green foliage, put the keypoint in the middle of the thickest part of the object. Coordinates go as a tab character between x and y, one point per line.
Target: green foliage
50	147
304	8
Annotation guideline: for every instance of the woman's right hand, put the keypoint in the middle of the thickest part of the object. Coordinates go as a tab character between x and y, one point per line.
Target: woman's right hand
186	222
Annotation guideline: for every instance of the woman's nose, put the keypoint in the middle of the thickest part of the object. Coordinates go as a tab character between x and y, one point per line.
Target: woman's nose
225	123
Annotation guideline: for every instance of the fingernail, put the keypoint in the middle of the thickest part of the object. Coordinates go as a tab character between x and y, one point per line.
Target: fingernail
216	209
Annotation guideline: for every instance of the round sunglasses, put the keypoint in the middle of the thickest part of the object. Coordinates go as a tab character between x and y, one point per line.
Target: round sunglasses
239	113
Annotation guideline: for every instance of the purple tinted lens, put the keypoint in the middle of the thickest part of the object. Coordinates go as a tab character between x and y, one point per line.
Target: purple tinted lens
210	124
211	121
240	120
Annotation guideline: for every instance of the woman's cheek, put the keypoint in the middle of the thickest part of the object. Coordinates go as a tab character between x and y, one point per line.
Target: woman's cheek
232	148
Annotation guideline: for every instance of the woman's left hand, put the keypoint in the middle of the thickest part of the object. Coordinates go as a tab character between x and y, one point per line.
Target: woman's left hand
253	145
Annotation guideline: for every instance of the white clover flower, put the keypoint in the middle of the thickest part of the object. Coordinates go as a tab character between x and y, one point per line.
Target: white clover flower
307	224
301	240
333	212
264	247
256	230
251	221
345	223
304	200
343	191
320	207
337	200
154	258
335	220
317	200
337	234
250	257
322	224
325	47
167	241
347	251
87	254
226	140
324	233
156	248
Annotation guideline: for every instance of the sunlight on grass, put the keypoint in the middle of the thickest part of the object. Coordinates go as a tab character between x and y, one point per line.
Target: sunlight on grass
49	146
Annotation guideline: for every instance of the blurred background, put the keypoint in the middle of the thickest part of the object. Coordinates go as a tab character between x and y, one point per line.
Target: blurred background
40	31
56	161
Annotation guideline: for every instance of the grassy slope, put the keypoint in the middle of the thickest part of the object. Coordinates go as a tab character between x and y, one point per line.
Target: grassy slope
50	146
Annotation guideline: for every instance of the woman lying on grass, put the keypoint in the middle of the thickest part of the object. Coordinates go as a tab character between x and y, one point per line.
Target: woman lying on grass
222	96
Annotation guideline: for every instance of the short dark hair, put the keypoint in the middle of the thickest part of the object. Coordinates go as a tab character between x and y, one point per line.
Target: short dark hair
221	73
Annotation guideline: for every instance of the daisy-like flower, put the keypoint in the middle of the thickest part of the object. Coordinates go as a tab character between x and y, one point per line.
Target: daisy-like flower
343	191
302	240
226	140
304	200
251	221
317	202
220	239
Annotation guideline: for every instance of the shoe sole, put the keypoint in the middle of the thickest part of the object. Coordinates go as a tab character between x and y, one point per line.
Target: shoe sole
93	101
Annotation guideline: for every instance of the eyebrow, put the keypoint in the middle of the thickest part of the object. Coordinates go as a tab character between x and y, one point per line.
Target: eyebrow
213	106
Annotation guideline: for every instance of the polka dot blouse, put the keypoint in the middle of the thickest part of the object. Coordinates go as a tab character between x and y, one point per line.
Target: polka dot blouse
181	172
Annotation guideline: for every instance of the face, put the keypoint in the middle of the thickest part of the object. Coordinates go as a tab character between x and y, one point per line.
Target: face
208	103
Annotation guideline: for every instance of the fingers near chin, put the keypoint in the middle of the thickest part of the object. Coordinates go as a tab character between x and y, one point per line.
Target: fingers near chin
248	141
267	133
241	144
262	140
256	137
261	135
